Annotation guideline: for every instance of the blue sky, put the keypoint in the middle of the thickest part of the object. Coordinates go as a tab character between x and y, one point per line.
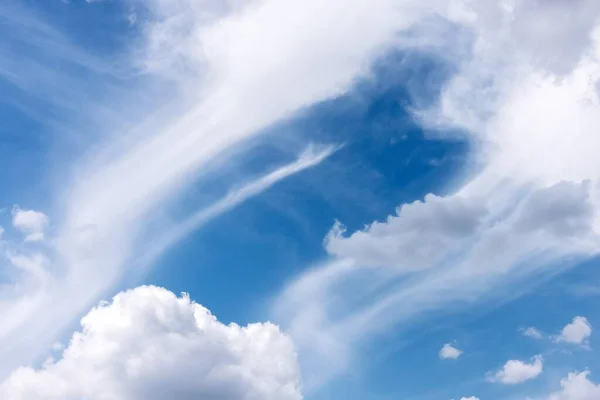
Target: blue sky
384	199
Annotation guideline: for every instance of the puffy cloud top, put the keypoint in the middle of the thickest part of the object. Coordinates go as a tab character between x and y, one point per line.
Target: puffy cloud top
516	371
577	386
418	236
150	344
577	332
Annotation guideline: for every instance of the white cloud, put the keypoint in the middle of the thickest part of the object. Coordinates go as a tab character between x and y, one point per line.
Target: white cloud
308	159
577	386
516	371
532	333
32	223
577	332
420	235
513	244
469	398
450	352
239	68
149	344
530	210
250	64
37	286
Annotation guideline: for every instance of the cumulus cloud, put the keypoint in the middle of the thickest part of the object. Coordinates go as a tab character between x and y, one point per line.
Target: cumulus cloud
516	102
36	284
516	371
148	343
450	352
577	332
577	386
512	243
32	223
420	235
218	75
469	398
261	61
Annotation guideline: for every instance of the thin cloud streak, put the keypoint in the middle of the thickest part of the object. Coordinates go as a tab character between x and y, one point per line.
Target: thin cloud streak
117	190
516	104
308	159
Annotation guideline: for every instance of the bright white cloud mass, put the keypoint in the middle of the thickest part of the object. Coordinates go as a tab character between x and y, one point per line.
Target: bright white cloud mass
196	85
577	332
577	386
516	371
149	344
527	208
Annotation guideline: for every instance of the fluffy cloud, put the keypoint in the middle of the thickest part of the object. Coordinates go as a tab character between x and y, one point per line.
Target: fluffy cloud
577	386
425	233
450	352
469	398
516	371
420	235
30	222
523	229
577	332
232	69
149	344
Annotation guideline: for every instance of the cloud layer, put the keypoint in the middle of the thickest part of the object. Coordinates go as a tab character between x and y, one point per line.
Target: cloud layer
526	210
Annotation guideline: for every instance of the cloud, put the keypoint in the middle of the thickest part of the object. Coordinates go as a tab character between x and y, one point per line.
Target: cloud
469	398
148	343
450	352
309	158
577	332
532	333
208	80
511	245
32	223
515	371
577	386
420	235
239	68
37	285
527	210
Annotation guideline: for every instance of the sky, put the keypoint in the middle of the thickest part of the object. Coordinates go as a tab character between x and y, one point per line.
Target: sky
285	200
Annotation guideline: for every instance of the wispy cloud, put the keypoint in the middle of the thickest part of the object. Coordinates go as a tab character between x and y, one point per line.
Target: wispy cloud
227	74
532	333
528	210
309	158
